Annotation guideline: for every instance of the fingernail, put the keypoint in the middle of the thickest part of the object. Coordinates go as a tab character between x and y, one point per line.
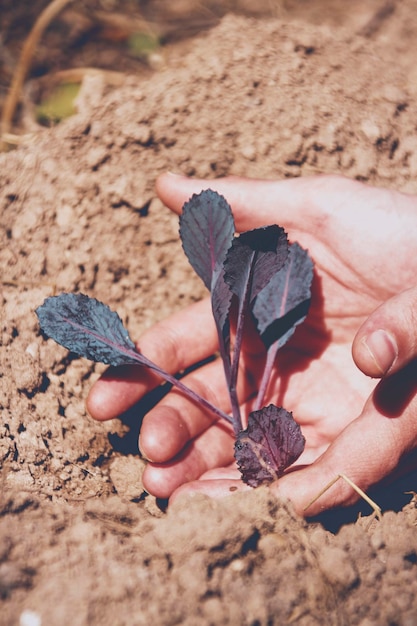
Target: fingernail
143	456
174	175
383	350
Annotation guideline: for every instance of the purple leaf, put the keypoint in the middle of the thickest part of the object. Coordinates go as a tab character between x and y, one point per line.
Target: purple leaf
283	303
221	299
255	256
272	442
206	230
87	327
281	306
92	330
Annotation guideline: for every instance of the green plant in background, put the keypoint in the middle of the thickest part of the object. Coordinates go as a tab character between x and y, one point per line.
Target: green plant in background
57	104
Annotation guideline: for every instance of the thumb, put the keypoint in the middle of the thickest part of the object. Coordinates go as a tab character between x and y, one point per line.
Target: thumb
387	340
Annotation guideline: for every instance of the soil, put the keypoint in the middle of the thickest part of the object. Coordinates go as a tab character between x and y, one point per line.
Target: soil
80	541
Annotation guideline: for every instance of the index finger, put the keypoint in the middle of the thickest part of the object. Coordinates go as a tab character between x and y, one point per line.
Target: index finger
251	199
299	204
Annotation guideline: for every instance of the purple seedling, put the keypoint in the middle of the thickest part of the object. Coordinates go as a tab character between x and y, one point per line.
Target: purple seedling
254	275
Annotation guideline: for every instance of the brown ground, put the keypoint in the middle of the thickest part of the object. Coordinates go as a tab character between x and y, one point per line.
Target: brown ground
80	544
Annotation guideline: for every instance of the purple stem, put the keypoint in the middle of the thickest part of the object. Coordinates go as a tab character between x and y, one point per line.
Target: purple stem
243	306
186	390
266	375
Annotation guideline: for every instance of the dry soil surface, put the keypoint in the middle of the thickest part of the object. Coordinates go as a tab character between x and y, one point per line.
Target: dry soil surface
80	543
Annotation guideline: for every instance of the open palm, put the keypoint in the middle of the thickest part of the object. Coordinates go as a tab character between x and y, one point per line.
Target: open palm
362	242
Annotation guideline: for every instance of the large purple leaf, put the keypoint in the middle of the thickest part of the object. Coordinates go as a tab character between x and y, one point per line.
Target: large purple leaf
283	303
92	330
206	230
255	256
272	442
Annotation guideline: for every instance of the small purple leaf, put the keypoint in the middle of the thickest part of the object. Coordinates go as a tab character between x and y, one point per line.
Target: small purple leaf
272	442
87	327
255	256
206	230
283	303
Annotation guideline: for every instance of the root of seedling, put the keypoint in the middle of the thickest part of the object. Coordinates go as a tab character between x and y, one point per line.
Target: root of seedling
377	509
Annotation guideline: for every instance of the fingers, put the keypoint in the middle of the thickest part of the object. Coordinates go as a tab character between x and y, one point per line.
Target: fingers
255	202
213	449
370	449
176	420
387	341
174	344
213	488
329	215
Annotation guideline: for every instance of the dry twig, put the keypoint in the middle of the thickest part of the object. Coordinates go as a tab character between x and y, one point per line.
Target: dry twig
43	21
377	510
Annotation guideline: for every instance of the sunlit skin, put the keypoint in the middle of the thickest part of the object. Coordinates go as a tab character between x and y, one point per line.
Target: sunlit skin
349	374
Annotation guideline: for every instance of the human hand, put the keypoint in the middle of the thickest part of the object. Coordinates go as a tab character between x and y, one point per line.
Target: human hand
362	240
